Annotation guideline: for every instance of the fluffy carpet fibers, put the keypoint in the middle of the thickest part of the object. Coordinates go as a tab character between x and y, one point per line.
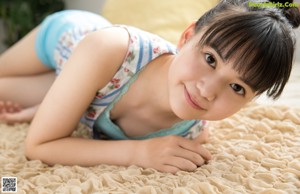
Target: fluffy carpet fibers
255	151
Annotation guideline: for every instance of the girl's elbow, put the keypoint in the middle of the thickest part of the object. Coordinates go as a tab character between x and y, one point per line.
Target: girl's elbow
28	152
31	151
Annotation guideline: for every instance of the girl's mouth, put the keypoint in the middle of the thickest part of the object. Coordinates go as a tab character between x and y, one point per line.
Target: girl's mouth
191	101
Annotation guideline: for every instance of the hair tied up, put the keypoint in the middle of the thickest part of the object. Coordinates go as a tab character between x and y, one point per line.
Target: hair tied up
293	15
291	12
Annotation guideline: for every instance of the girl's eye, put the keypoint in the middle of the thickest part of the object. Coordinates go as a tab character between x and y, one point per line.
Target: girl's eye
238	89
210	60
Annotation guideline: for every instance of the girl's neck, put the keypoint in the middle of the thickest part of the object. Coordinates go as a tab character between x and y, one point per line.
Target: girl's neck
156	84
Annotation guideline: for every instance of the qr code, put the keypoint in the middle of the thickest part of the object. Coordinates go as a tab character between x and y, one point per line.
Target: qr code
9	184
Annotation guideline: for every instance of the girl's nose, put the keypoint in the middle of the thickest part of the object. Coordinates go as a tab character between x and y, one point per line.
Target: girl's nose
207	89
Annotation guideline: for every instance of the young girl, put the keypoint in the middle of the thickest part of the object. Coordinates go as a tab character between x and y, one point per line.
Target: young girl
145	100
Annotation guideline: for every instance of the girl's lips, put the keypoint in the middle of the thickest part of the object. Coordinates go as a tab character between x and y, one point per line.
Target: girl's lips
190	100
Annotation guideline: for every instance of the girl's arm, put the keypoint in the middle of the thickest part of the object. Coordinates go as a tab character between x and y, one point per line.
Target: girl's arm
91	67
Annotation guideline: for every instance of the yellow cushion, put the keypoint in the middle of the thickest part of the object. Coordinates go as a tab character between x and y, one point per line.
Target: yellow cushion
167	18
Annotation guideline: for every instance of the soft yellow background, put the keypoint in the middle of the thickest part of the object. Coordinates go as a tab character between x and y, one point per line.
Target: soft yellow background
167	18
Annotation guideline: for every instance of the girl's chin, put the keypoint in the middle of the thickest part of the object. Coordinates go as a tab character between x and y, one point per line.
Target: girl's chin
184	114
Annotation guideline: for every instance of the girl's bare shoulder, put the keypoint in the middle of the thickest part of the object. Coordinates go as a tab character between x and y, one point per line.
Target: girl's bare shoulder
102	51
109	42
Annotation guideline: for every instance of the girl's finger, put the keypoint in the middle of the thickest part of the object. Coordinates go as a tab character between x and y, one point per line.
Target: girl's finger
195	147
181	164
192	156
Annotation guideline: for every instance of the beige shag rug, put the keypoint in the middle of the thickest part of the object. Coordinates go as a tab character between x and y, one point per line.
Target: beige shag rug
255	151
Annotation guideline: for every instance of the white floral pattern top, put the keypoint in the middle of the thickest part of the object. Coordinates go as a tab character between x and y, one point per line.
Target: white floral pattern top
143	48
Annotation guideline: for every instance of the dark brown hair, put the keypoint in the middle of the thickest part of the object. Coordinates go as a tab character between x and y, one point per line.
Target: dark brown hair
259	39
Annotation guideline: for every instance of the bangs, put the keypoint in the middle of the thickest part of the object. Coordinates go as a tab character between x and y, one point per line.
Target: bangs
256	47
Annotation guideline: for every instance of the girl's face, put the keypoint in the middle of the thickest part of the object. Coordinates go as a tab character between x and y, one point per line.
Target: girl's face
202	85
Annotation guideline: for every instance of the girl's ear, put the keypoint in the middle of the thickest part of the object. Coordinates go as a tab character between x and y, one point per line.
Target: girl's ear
186	35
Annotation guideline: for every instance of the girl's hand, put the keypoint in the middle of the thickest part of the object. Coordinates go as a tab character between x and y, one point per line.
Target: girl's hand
11	113
171	153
